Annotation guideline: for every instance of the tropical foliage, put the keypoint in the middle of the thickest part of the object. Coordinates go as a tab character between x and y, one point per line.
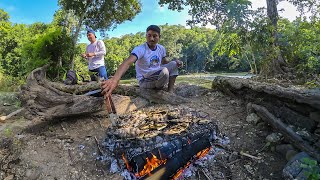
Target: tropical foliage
244	40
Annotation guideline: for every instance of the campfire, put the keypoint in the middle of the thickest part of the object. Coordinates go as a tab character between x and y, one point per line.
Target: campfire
160	144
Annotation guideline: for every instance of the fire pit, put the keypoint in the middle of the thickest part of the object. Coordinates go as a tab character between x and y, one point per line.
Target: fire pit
160	143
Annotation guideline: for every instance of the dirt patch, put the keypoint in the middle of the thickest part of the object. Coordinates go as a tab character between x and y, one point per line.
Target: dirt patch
66	148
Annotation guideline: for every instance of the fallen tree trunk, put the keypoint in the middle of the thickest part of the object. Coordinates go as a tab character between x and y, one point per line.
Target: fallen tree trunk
303	96
287	132
280	106
157	96
295	106
48	100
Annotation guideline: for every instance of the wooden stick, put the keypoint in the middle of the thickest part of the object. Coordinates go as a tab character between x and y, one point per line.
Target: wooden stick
287	132
250	156
98	146
3	118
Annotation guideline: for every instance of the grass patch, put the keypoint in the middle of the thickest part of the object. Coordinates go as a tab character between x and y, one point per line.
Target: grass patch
196	80
128	81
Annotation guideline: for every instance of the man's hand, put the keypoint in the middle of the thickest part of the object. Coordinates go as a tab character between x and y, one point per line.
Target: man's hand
90	54
179	63
108	86
84	55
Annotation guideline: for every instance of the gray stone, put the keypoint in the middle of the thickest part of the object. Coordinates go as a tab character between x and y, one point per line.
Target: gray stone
249	108
274	137
304	134
33	174
290	154
253	118
294	170
284	148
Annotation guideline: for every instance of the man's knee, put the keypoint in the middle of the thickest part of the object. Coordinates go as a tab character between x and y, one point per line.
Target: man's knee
165	72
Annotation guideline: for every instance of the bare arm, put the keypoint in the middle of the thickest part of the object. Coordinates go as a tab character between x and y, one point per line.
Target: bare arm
109	85
165	60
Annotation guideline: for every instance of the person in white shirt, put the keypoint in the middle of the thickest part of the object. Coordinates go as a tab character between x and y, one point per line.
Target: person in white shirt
153	70
95	52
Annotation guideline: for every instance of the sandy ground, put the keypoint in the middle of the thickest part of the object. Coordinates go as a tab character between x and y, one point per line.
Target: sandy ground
66	148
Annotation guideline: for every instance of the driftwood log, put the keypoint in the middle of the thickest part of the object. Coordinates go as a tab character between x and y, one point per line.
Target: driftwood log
49	100
280	107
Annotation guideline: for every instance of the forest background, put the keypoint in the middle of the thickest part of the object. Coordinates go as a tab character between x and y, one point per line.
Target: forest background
243	41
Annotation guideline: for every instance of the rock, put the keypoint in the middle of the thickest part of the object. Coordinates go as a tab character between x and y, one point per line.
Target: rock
253	118
290	154
33	174
284	148
249	108
274	137
294	170
304	134
315	116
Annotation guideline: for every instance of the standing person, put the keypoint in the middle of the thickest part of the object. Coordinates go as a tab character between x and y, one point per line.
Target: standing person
153	70
95	52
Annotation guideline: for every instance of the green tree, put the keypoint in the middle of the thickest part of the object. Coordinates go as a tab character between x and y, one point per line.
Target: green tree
99	14
237	13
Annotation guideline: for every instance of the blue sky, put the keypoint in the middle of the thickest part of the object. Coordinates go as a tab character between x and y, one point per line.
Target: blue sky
30	11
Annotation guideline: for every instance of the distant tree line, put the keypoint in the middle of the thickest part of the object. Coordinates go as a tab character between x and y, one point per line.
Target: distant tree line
26	47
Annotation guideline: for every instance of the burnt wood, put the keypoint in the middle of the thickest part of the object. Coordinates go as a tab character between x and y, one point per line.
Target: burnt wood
179	161
169	150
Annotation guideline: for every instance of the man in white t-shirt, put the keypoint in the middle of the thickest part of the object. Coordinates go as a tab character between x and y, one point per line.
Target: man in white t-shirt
95	52
153	70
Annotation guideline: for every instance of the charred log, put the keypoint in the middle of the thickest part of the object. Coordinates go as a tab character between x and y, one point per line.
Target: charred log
179	161
169	150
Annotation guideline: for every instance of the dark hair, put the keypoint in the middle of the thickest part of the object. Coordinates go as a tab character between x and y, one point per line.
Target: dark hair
154	28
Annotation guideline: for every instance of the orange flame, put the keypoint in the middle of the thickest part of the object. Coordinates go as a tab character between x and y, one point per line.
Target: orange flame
151	164
199	155
177	175
202	153
126	162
